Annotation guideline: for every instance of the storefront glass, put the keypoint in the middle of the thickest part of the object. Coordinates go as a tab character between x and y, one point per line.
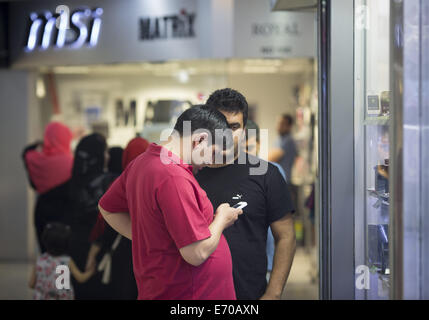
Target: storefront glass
411	62
371	111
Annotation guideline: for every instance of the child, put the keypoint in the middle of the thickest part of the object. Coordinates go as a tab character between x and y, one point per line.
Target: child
55	238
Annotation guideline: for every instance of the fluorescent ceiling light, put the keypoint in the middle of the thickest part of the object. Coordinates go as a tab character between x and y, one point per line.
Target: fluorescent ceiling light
260	69
40	88
71	70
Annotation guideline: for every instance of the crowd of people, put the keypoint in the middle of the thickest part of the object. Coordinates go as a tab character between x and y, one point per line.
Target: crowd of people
153	222
67	219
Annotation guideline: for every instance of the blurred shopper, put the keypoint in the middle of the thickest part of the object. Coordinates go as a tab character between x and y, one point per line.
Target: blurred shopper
49	166
114	166
310	205
178	248
134	148
114	249
88	183
253	141
56	239
285	152
269	205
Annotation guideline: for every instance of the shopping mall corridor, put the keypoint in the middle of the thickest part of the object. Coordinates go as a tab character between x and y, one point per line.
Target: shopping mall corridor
14	281
14	278
303	282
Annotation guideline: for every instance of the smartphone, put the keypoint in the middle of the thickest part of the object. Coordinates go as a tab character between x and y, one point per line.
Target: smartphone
373	105
240	205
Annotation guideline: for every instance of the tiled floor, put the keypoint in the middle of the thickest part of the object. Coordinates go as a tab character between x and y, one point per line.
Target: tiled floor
14	278
13	281
300	285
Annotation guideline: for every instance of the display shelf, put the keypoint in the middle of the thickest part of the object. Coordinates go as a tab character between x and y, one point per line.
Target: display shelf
373	193
384	197
372	148
379	271
376	121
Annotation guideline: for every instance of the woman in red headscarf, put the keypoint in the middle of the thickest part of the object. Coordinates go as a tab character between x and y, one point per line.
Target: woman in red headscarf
110	250
49	166
133	149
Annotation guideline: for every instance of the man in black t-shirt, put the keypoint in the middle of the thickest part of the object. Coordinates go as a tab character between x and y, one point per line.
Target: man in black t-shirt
268	204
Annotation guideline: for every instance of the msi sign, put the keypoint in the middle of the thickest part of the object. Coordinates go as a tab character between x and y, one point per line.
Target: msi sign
63	29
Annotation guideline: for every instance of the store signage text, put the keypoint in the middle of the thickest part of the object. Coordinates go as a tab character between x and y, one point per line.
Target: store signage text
53	29
125	116
169	26
274	29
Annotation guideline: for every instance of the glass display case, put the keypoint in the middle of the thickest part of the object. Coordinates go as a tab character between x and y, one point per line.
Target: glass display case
374	146
371	126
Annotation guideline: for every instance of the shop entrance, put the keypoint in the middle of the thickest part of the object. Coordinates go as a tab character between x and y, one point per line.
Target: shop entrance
124	100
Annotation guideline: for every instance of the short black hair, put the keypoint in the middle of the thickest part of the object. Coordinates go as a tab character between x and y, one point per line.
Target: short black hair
254	126
288	118
202	117
56	238
229	100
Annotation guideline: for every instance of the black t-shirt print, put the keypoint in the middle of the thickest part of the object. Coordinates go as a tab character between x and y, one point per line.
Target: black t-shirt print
268	200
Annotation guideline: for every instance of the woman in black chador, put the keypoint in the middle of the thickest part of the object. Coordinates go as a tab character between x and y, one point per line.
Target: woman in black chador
88	183
111	252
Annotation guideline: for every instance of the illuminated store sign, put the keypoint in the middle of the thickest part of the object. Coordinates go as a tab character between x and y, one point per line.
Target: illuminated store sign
153	31
170	26
64	30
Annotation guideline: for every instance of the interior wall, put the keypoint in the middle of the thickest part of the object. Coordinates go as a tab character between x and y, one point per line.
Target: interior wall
16	232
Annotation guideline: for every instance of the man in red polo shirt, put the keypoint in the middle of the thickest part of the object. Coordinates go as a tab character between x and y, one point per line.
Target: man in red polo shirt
179	251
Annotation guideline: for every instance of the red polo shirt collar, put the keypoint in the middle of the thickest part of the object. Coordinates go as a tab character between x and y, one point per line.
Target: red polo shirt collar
157	149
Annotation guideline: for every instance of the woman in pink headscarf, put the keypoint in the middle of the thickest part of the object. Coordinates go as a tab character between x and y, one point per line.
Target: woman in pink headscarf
49	166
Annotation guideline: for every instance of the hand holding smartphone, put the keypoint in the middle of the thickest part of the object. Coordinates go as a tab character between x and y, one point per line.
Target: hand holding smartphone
240	205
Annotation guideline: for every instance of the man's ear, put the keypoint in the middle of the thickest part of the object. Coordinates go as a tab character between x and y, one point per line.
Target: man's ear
199	137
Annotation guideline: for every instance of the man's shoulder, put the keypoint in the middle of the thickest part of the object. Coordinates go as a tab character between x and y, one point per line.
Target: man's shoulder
254	161
279	168
153	169
288	139
243	162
